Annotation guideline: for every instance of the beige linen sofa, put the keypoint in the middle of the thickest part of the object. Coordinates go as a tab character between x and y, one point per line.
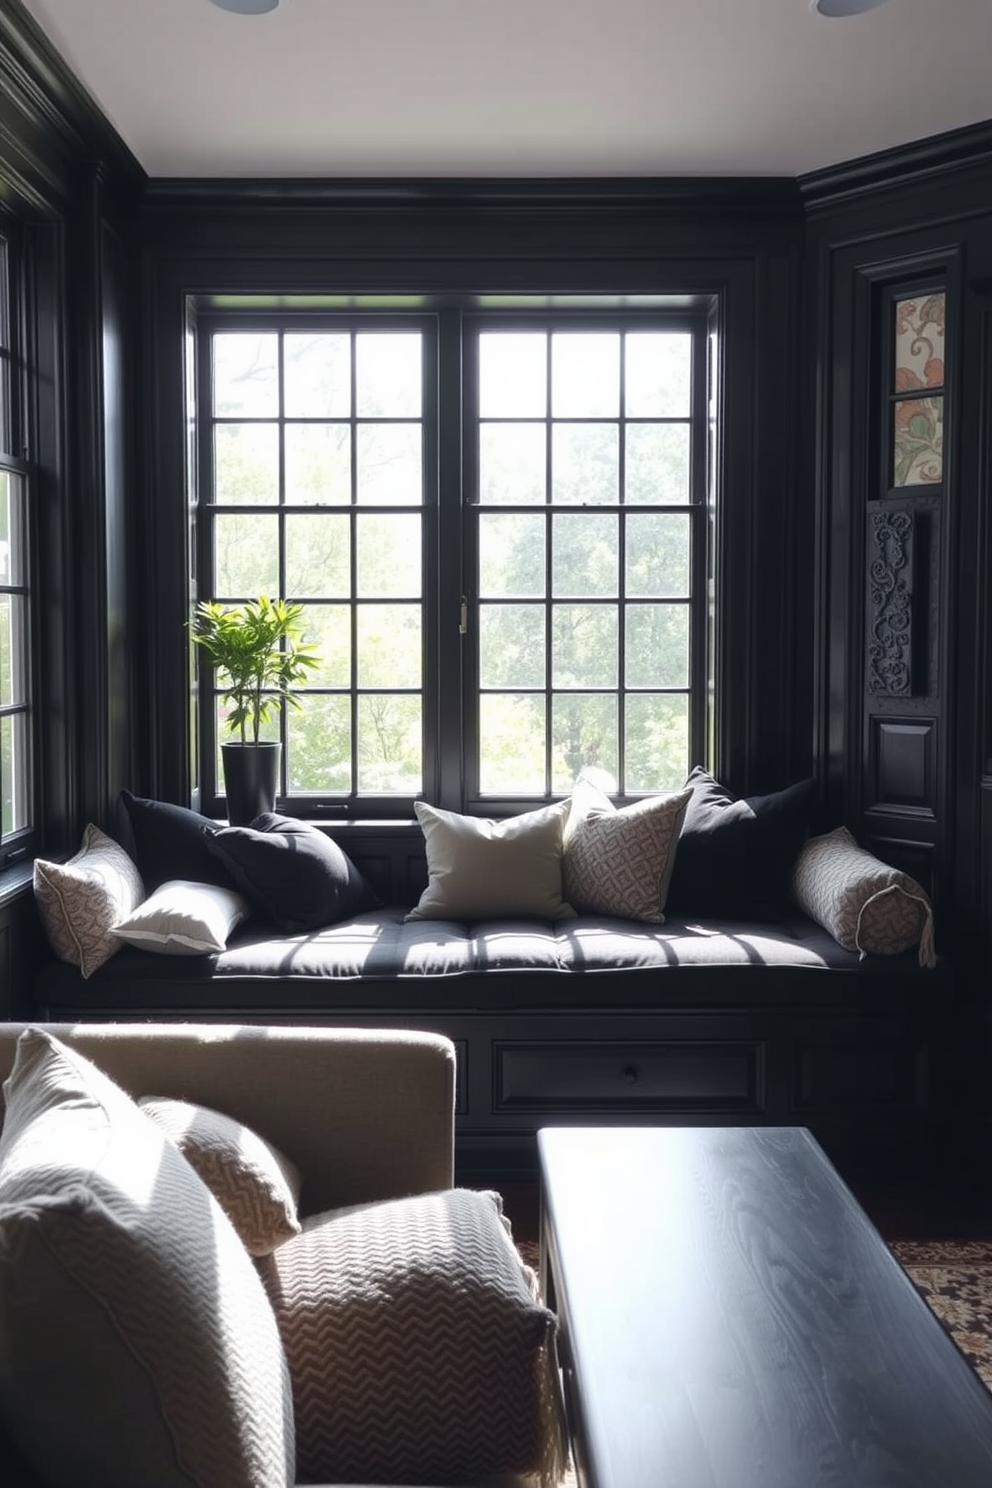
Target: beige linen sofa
365	1115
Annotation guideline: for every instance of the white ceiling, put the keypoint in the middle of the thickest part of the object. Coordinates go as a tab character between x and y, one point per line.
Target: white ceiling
522	87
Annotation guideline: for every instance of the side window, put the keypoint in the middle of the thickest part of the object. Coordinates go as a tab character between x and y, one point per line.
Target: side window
16	788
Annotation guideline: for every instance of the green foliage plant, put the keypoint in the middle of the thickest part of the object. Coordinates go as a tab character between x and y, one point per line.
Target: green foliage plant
260	654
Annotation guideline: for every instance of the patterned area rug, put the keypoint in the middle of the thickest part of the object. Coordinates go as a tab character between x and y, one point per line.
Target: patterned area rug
955	1279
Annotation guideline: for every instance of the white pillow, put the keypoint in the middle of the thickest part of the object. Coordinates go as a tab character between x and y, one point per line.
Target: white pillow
183	918
479	868
82	900
619	861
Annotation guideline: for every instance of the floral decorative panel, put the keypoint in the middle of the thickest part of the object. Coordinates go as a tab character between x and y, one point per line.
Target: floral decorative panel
917	441
919	342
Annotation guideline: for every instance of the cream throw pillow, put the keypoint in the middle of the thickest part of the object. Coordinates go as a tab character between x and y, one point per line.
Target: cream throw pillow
619	861
137	1345
255	1184
418	1350
80	901
183	918
480	868
867	905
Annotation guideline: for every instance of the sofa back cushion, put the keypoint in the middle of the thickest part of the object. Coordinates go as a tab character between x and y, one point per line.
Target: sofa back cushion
138	1344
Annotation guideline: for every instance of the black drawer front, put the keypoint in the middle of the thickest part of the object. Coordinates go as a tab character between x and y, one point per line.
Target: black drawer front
686	1076
847	1075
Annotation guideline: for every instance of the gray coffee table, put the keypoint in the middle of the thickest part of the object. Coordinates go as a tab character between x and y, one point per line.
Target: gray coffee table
730	1318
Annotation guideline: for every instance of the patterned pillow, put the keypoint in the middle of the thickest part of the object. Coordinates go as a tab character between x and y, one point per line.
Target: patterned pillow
139	1346
865	904
257	1187
417	1350
81	901
184	919
619	862
478	867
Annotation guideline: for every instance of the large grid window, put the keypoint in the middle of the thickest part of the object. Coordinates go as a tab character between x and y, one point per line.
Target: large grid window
16	792
496	524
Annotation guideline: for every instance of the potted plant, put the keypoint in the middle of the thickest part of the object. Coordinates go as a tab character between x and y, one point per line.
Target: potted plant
259	653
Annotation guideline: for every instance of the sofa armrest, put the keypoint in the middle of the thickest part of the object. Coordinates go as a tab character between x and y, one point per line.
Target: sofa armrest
365	1114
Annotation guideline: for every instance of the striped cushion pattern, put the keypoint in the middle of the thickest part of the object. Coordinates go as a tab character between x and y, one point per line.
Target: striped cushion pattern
80	901
139	1344
417	1350
256	1185
866	905
620	862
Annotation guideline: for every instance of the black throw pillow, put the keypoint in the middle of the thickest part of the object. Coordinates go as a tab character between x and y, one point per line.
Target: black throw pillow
170	842
291	872
735	856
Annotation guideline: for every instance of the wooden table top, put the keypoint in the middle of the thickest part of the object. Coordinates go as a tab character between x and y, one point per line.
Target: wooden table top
730	1318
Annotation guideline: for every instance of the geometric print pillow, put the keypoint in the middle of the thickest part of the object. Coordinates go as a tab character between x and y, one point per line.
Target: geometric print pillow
417	1348
257	1187
865	904
80	901
619	862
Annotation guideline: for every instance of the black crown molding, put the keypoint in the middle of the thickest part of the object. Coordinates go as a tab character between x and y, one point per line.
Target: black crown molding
904	165
60	122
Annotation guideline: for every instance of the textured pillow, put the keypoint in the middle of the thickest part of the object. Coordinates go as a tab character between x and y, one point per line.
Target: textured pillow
865	904
478	868
169	842
619	862
184	919
291	872
81	901
257	1187
417	1350
138	1345
735	856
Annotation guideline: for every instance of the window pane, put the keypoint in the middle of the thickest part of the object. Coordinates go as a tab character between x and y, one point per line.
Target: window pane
657	742
390	745
246	381
13	531
584	646
657	652
511	748
657	556
6	438
389	560
13	646
388	375
918	441
318	556
919	342
329	627
584	736
246	556
511	555
317	373
513	374
390	464
585	556
513	462
318	746
318	464
585	464
658	370
390	646
15	772
657	464
246	464
585	374
511	645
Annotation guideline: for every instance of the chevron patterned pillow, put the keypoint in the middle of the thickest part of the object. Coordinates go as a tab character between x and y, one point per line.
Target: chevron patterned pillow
866	905
619	862
417	1349
139	1346
255	1184
80	901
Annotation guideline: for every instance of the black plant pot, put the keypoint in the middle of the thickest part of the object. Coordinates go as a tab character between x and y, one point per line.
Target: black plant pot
251	780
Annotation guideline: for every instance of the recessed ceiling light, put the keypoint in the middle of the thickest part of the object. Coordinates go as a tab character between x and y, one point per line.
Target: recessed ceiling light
843	7
247	7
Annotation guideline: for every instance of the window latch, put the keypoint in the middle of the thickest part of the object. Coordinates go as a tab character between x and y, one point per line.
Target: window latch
463	615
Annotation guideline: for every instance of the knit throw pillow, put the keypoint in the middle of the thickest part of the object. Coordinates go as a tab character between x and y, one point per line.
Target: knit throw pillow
417	1350
619	861
866	905
80	901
